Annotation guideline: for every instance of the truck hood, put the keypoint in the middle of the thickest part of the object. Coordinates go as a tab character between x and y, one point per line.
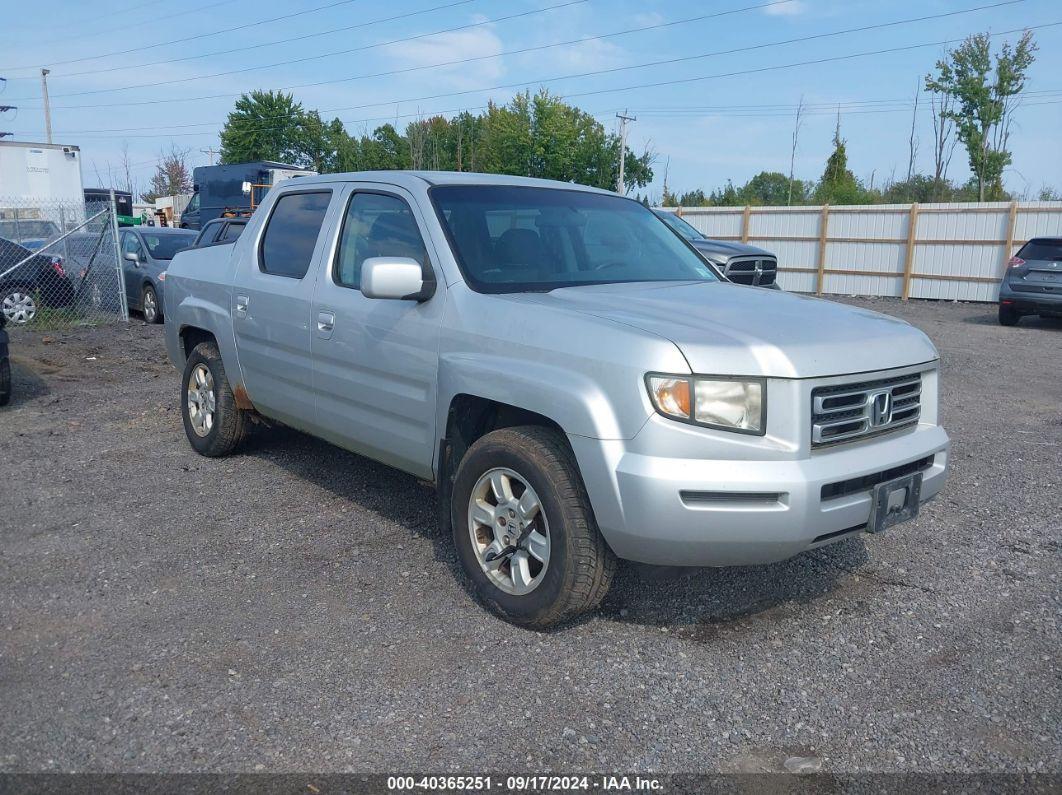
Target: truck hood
730	329
725	249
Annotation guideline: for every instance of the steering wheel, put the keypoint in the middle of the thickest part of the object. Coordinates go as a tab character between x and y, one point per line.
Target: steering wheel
615	263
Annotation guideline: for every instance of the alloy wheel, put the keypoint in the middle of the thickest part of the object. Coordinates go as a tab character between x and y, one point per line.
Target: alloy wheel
201	402
509	531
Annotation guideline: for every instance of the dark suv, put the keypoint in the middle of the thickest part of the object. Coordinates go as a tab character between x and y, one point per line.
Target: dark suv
39	279
1032	284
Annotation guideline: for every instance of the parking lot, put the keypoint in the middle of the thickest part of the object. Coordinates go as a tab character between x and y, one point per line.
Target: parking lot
294	608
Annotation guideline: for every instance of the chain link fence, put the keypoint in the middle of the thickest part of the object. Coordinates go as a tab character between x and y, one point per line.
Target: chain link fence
59	265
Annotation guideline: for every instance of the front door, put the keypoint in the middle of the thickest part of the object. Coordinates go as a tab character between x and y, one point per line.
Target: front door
133	272
376	360
271	305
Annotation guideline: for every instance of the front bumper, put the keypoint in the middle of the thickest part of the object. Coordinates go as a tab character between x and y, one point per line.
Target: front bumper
689	512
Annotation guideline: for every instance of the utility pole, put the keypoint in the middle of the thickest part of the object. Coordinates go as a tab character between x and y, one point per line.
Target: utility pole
624	118
210	152
47	107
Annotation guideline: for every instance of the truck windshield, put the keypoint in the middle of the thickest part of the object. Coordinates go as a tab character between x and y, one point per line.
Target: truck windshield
517	239
683	227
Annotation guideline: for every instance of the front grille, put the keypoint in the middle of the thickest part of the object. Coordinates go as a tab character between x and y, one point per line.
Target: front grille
757	271
847	412
842	488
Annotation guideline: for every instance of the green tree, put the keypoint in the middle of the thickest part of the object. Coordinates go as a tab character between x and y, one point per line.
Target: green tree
265	125
838	184
693	198
727	196
772	188
985	97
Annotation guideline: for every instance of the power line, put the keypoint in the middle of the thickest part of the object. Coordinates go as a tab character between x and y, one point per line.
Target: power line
458	61
411	38
261	45
115	28
390	42
197	36
594	73
676	81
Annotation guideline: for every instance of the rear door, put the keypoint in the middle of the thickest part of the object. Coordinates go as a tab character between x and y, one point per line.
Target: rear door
1043	258
272	304
376	360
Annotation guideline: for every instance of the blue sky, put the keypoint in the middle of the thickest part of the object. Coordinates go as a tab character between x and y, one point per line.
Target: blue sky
718	117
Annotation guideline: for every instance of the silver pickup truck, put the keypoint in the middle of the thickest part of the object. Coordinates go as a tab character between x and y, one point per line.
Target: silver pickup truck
577	381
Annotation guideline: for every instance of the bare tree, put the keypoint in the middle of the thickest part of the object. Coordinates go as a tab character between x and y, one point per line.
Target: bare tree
172	176
944	140
417	136
129	184
793	150
912	141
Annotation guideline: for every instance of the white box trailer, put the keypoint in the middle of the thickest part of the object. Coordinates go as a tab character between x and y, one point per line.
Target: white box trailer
48	173
41	190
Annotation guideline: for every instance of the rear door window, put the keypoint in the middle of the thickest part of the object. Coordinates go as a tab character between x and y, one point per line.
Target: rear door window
291	233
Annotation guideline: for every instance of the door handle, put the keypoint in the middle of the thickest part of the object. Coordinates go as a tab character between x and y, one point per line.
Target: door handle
241	304
326	321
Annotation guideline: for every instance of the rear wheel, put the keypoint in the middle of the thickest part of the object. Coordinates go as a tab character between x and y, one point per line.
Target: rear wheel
525	531
214	424
1008	316
149	305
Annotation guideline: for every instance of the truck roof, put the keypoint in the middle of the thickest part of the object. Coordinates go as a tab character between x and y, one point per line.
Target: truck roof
411	179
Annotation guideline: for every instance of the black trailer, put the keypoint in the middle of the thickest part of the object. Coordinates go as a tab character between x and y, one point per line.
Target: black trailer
233	191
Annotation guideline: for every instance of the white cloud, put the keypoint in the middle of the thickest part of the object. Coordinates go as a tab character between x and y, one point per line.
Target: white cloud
790	9
459	45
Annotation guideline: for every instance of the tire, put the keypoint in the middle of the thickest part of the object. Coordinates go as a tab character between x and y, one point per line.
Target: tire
227	425
578	565
5	382
1008	316
149	305
19	304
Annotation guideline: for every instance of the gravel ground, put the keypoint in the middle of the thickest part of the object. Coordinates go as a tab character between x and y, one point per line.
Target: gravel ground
293	608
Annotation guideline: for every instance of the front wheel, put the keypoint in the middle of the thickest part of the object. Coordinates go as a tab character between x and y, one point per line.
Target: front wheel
525	531
213	422
18	305
149	303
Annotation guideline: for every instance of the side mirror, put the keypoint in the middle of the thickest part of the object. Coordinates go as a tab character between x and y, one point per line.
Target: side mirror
399	278
132	256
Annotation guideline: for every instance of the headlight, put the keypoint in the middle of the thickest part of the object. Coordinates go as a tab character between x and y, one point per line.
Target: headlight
731	405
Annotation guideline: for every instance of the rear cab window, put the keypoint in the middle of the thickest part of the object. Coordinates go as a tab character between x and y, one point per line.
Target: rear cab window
291	233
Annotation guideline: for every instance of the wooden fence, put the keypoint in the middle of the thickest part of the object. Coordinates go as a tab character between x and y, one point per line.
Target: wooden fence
946	251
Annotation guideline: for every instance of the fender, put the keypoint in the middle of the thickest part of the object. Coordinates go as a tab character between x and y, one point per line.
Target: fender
572	400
